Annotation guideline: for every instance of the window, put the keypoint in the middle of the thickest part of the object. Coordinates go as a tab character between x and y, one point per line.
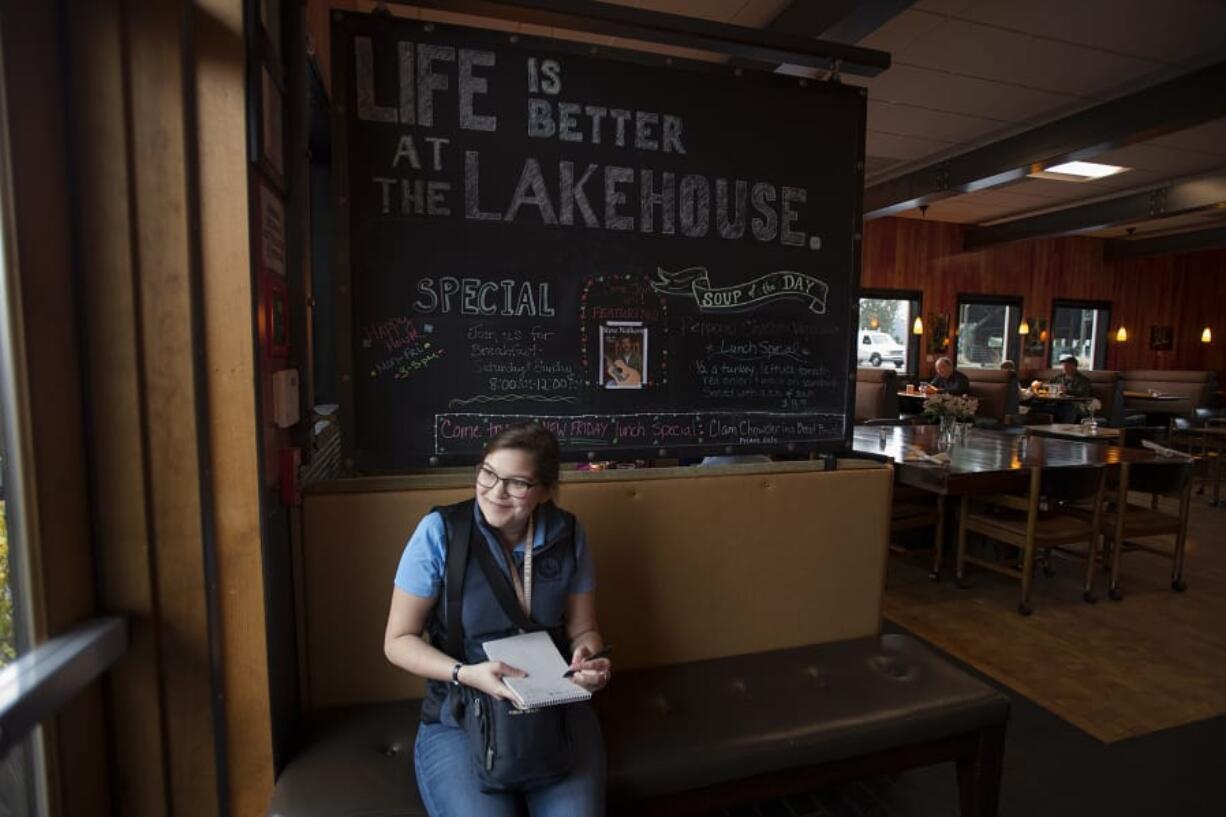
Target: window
1080	328
885	337
987	331
22	772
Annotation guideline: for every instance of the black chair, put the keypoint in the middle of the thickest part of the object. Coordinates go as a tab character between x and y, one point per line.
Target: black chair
1131	436
1030	418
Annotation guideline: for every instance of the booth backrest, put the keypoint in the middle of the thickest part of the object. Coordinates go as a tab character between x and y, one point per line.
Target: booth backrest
1105	384
876	394
996	390
1197	388
691	563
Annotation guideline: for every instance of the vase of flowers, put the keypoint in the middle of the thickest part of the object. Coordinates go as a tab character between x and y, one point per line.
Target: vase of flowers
953	412
1091	422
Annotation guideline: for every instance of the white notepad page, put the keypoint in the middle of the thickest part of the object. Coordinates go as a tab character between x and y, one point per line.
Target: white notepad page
535	654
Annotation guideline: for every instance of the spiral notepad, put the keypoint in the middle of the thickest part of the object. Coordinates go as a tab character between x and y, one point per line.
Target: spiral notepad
535	654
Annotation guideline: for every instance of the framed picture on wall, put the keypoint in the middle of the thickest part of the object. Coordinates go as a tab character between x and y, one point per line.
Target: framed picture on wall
271	230
1161	338
272	132
276	316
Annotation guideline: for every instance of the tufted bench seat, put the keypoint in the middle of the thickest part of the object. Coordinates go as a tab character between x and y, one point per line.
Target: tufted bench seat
690	737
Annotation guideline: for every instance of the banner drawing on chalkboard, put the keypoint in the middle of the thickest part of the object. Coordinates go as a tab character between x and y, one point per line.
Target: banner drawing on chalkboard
742	297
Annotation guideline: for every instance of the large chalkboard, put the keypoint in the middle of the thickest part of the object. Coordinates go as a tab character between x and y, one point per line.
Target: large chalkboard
653	258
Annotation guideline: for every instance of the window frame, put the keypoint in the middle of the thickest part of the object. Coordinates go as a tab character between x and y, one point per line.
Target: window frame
1012	338
916	297
1100	344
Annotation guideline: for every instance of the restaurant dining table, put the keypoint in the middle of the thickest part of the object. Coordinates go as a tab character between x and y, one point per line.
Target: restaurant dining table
1158	408
1077	431
987	461
911	402
1145	395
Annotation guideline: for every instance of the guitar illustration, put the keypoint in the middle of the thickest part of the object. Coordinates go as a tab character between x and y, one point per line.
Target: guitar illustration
623	374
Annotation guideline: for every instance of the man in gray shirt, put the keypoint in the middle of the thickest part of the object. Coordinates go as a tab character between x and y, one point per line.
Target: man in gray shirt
949	379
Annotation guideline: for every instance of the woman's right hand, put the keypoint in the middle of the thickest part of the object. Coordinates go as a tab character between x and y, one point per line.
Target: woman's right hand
487	677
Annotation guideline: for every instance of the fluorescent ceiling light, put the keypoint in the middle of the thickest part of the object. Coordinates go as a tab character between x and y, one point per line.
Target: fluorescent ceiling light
1078	171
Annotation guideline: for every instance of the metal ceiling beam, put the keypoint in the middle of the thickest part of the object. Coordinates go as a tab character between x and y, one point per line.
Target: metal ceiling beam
613	20
1119	248
1187	196
863	19
836	21
1161	109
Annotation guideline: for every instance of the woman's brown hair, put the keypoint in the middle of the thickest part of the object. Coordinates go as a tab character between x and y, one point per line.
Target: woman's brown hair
536	440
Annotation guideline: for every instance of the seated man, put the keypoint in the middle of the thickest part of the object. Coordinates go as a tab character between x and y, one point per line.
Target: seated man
1073	384
948	379
1024	393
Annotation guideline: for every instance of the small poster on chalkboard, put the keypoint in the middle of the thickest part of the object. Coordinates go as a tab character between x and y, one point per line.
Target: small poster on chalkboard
651	257
624	355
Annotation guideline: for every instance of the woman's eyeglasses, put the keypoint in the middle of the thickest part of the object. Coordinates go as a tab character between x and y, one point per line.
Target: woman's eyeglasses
515	487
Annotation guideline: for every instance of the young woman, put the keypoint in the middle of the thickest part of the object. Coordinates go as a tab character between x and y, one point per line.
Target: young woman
515	483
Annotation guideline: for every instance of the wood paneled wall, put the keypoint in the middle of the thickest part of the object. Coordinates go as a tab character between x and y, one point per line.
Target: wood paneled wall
1183	291
157	135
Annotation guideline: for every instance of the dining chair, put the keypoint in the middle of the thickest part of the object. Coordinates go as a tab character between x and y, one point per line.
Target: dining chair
1188	434
1122	519
914	509
1036	523
1030	418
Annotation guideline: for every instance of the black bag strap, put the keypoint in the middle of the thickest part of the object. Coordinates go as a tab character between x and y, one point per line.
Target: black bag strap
458	520
501	585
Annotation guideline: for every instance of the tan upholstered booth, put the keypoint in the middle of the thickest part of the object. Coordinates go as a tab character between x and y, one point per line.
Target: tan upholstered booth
1105	385
736	559
996	390
876	394
1196	388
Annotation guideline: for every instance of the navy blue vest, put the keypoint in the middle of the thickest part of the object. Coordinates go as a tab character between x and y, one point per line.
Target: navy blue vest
553	572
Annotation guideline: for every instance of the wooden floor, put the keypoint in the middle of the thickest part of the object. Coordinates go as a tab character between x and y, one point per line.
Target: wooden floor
1154	660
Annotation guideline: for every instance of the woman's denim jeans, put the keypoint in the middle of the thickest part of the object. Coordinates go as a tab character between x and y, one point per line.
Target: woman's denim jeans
449	787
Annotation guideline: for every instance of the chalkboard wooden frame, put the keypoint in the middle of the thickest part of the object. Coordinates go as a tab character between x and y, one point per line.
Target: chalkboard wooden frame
359	461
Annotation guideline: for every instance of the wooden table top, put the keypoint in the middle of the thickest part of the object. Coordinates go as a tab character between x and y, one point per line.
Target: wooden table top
1061	398
1075	431
1144	395
988	461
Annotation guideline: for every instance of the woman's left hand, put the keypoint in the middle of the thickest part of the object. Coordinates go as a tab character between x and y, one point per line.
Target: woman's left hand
591	674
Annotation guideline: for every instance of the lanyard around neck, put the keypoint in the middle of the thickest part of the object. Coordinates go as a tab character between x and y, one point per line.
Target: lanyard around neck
523	590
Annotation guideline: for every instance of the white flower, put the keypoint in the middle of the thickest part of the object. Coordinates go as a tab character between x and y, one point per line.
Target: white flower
950	405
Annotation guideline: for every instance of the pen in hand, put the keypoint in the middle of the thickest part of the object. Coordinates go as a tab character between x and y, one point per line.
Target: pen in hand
603	653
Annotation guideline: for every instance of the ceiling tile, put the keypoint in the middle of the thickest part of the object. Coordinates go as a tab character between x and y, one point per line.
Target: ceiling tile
721	10
949	127
900	31
878	164
940	90
992	53
946	6
759	13
901	146
1207	138
1164	31
1167	160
